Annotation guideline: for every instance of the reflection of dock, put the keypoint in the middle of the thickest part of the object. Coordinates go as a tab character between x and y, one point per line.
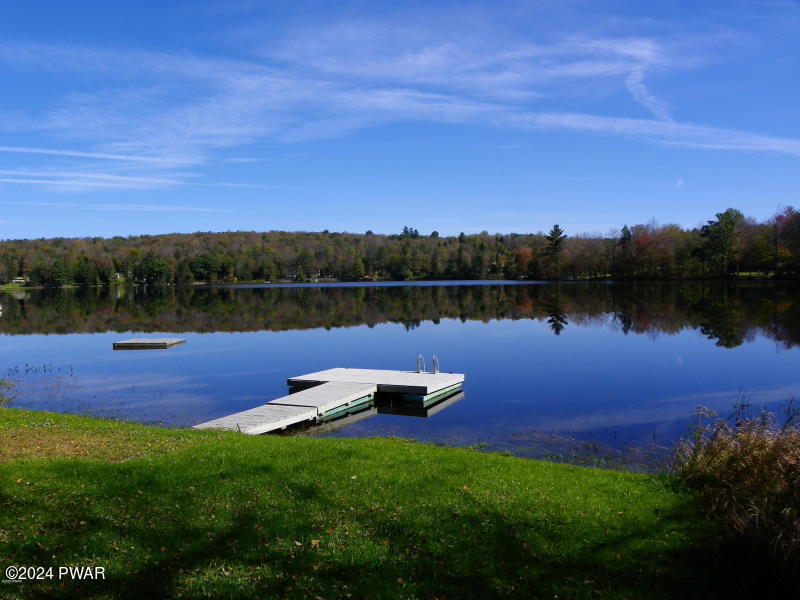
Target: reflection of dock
335	393
341	422
407	409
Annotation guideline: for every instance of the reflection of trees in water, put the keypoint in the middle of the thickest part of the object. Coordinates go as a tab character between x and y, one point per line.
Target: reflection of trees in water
728	314
623	321
409	325
556	318
723	322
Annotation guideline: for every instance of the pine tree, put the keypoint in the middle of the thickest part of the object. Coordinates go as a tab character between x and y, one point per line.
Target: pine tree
555	243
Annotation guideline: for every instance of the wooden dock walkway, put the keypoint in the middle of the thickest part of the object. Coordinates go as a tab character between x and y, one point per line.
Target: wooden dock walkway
327	394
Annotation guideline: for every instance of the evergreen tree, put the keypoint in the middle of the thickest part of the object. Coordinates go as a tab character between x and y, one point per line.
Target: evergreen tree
183	274
359	271
625	257
555	244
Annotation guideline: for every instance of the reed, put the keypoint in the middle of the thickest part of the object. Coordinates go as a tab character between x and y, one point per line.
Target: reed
746	469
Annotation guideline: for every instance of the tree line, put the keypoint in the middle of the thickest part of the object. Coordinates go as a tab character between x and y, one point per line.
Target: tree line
727	244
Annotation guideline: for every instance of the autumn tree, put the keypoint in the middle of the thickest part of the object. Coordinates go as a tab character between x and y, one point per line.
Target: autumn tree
787	239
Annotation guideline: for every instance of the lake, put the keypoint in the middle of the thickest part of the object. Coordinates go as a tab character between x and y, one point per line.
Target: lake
551	368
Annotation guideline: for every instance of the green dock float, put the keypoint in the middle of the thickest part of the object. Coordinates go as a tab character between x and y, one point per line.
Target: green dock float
429	399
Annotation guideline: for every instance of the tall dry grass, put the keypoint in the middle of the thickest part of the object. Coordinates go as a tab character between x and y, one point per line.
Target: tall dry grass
746	469
6	391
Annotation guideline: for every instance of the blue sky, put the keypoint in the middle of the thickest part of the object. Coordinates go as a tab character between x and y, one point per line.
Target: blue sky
121	118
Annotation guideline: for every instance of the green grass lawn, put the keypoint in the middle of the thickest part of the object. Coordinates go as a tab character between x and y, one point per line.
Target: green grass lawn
177	513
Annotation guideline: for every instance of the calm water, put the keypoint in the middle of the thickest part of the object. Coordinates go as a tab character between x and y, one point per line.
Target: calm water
618	364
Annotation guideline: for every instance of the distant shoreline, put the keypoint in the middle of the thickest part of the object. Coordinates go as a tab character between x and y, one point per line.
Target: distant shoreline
763	278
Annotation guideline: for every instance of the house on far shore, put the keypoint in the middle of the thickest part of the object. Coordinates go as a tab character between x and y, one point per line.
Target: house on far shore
20	280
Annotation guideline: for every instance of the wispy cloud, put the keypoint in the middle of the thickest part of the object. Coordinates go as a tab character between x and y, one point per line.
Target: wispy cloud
58	183
81	180
664	132
635	84
158	160
244	160
117	207
161	118
84	180
251	186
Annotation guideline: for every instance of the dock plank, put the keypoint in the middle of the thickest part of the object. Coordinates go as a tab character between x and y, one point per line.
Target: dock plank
262	419
327	396
403	382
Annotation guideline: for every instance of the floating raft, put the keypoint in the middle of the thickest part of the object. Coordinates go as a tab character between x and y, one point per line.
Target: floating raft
326	395
148	343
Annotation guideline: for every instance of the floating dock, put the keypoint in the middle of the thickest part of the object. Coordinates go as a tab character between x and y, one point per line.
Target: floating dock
392	382
148	343
326	395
